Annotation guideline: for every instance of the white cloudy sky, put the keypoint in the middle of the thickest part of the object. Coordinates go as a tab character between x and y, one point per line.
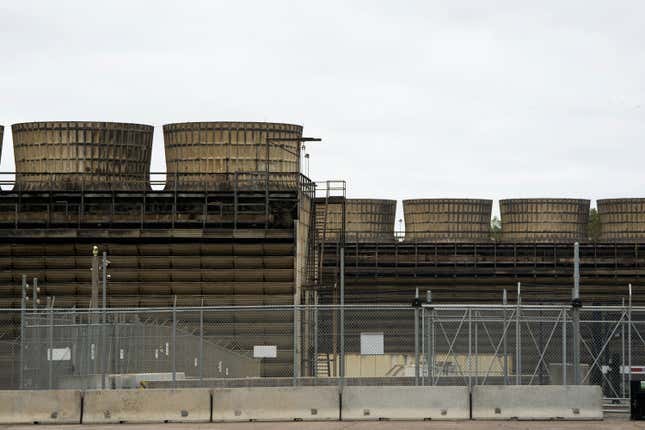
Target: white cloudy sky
456	98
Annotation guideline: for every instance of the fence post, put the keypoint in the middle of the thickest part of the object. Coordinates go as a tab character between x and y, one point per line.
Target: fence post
505	334
629	340
23	304
423	353
470	324
315	360
174	342
518	338
201	343
294	340
575	314
564	345
429	326
417	303
476	351
342	317
622	350
51	343
104	354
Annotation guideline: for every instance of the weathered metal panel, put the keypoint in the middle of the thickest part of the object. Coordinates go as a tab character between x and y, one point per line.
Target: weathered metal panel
82	155
447	220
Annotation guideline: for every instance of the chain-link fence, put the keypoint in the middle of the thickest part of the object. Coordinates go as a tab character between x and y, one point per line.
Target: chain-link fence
321	345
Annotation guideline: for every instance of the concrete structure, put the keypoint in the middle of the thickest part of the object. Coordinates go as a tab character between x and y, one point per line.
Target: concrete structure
544	220
366	220
42	407
537	402
622	220
146	406
447	220
405	403
276	404
82	156
215	155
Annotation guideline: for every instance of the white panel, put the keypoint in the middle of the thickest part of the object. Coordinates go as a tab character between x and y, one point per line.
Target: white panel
372	344
265	351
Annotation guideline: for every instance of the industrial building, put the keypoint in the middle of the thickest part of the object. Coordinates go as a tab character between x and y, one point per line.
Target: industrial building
233	221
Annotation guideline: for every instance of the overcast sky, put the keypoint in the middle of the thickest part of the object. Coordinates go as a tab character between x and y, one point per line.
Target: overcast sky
483	99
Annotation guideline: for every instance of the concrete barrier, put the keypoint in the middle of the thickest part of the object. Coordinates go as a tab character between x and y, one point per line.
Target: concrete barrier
146	406
405	403
537	402
43	407
276	404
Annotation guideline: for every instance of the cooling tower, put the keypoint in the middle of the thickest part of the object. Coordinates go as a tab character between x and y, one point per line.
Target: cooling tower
213	155
622	220
544	220
82	155
366	220
447	220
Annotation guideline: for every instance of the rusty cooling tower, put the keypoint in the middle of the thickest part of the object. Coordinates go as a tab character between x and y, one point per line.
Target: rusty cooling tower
447	220
622	220
213	155
544	220
366	220
82	155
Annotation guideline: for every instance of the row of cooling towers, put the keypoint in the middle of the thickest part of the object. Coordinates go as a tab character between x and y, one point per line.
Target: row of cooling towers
89	155
469	220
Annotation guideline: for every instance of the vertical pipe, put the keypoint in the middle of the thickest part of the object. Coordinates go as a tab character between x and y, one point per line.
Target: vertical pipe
34	294
23	304
342	316
564	346
174	342
518	338
504	337
266	188
576	314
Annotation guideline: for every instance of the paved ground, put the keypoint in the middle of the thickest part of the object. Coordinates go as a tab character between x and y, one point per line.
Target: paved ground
613	424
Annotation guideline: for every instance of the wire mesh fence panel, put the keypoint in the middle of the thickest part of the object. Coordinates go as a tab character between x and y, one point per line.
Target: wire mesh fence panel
544	340
602	350
320	345
446	358
380	346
